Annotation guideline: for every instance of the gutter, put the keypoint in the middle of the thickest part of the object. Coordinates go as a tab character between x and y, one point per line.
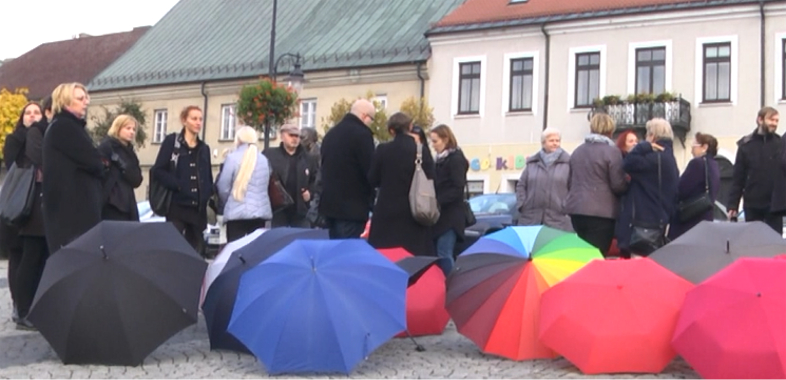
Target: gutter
546	81
422	83
204	109
762	41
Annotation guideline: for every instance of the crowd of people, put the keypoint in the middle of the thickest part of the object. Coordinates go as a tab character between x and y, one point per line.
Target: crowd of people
604	191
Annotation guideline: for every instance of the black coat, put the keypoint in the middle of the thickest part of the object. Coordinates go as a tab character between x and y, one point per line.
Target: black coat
306	173
34	154
14	147
179	181
450	180
346	152
651	205
124	175
778	204
758	156
692	185
392	224
73	172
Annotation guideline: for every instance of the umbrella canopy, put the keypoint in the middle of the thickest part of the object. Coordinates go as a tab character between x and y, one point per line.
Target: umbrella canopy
426	313
319	306
732	325
614	316
217	266
493	294
117	292
220	296
710	247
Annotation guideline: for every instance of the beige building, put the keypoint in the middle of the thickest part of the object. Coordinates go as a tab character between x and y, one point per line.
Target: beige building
506	73
203	51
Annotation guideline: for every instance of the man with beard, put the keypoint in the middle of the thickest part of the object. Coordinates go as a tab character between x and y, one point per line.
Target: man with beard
755	172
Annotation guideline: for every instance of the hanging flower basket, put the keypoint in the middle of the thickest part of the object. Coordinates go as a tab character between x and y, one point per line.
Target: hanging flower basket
266	102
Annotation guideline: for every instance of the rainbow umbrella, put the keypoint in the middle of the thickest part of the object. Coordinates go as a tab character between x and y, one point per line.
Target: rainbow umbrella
493	294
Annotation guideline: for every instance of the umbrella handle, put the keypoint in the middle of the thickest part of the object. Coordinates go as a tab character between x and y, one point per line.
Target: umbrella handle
418	347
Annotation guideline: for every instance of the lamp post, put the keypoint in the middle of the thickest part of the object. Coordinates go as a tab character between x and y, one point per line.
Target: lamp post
294	79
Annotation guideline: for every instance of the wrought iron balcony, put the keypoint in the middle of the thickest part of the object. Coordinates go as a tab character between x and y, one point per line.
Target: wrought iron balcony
634	115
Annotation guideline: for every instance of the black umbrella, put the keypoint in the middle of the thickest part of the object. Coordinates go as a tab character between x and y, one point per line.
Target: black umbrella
220	297
711	246
416	266
118	292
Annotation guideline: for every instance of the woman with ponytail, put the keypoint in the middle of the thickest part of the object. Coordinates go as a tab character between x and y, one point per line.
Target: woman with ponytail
242	186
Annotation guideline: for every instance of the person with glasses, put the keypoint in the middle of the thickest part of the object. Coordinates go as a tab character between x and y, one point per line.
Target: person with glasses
347	195
297	171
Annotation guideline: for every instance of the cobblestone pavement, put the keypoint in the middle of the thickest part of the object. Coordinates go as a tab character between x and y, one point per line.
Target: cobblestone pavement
187	355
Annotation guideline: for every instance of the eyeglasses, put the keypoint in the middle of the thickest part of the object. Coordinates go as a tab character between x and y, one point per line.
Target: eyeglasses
294	135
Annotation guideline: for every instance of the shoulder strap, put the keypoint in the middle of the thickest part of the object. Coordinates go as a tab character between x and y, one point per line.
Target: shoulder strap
706	175
418	155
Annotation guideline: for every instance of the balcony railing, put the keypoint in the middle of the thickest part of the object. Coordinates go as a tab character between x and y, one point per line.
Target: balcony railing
634	115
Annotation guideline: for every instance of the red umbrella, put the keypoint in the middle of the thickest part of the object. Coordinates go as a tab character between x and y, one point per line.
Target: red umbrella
733	325
614	316
426	314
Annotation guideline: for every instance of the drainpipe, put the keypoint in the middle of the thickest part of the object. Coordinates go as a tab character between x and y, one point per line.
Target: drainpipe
204	110
422	85
762	41
546	82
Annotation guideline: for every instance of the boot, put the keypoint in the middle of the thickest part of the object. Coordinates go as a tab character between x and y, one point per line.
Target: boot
24	324
15	315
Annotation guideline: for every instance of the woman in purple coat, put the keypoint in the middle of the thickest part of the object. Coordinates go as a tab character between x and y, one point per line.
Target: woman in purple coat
693	181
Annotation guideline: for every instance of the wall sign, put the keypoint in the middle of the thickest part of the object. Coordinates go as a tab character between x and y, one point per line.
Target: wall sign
501	163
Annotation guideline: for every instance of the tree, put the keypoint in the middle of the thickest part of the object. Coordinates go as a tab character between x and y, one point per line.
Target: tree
11	105
266	102
422	115
379	127
126	107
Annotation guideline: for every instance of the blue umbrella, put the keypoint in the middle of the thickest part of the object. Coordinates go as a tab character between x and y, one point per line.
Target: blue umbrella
319	306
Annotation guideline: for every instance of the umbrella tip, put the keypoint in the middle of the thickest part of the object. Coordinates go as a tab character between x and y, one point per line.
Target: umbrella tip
103	252
313	264
758	295
728	246
242	259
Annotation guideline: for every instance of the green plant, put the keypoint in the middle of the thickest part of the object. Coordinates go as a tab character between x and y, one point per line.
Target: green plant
379	127
665	97
641	98
266	102
422	115
611	100
105	121
11	105
598	102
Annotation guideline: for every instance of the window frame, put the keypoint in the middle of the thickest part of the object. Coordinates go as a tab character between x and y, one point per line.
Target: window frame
523	74
588	67
698	93
716	61
783	68
651	64
232	118
313	113
157	137
470	77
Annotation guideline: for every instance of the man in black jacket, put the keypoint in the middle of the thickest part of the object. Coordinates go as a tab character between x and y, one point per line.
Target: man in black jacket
297	171
755	168
347	196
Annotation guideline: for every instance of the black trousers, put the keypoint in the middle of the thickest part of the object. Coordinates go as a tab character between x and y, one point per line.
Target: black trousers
193	232
236	229
11	244
29	273
594	230
775	221
289	218
345	229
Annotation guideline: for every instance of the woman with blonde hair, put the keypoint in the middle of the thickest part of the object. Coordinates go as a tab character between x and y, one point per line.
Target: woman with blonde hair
124	173
242	186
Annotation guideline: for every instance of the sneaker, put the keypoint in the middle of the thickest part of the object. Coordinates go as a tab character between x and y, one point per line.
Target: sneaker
15	315
26	325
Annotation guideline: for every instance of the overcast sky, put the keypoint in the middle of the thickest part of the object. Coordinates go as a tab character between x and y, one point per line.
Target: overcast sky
31	23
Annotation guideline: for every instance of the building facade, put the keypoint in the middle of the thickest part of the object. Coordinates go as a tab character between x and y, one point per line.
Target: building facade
508	73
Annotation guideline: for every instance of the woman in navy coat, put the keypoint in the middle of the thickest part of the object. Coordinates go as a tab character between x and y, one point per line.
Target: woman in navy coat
693	182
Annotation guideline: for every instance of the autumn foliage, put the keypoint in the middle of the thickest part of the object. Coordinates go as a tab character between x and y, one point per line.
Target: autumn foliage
266	102
341	108
11	104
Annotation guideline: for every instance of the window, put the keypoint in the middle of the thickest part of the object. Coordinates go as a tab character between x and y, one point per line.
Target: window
587	78
228	122
521	70
475	187
308	113
159	126
717	72
651	70
469	88
382	100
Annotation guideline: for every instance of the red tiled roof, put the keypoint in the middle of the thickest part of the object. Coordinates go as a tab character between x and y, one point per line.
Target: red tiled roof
482	11
76	60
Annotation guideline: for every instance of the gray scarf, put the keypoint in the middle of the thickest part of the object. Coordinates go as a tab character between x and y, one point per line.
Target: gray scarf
596	138
549	158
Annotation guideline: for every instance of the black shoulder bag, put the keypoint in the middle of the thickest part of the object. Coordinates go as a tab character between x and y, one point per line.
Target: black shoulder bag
693	208
469	215
645	238
159	196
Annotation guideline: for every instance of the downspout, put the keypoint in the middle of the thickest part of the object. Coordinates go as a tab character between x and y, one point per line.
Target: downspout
204	109
422	85
546	81
762	41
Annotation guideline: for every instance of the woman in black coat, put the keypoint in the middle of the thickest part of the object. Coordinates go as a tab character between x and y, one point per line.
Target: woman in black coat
72	169
392	168
192	179
450	180
695	181
124	173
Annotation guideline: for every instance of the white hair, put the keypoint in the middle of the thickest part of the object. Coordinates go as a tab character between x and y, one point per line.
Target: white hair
548	132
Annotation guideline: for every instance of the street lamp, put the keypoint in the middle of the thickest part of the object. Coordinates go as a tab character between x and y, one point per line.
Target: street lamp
294	79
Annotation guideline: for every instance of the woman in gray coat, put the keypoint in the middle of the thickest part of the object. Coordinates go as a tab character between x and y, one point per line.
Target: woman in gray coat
543	186
242	187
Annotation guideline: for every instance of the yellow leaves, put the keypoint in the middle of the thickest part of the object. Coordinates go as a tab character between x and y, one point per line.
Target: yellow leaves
422	115
11	104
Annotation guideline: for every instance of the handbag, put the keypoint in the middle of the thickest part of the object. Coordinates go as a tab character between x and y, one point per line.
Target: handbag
469	215
159	196
693	208
422	195
645	238
279	198
17	195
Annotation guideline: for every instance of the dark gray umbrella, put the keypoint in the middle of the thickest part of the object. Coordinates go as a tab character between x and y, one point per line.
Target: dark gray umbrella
116	293
711	246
